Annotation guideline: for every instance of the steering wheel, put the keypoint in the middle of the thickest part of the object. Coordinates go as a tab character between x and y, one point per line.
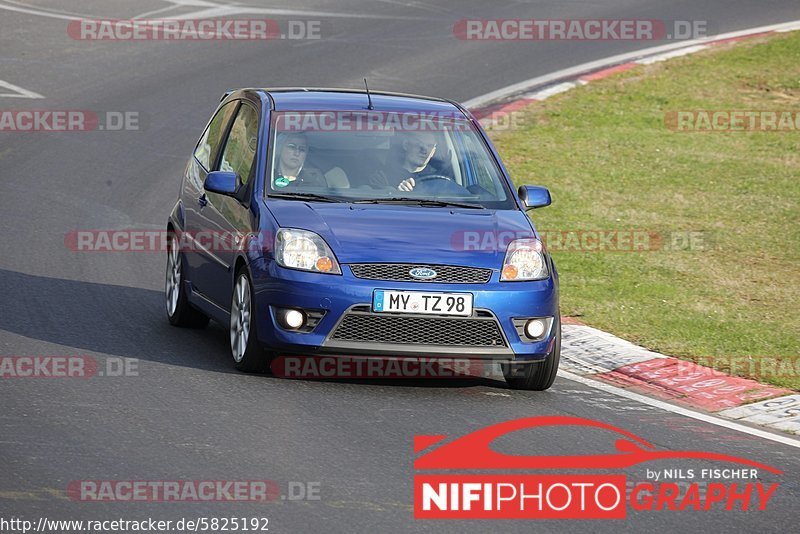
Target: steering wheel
431	177
439	184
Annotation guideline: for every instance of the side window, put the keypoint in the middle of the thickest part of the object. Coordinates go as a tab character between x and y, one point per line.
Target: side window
482	172
240	148
208	147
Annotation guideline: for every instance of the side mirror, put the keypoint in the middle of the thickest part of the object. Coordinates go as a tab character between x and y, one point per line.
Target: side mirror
534	196
222	182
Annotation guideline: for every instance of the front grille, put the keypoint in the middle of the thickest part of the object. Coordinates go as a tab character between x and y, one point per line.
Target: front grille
363	326
399	272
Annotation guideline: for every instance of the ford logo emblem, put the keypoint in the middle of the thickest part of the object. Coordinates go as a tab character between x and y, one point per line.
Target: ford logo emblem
422	273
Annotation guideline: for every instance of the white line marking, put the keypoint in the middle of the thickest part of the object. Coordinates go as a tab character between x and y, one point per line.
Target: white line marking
154	12
45	9
708	418
220	10
614	60
192	3
19	92
228	10
38	12
544	94
669	55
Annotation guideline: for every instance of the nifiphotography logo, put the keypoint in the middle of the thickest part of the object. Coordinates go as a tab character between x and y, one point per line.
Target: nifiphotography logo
501	492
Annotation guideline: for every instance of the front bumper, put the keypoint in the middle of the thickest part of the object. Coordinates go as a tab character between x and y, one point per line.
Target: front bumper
341	296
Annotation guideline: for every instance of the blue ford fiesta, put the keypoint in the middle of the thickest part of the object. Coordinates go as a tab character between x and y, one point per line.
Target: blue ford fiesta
353	223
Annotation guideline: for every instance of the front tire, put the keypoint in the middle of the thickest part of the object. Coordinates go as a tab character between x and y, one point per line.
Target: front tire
248	355
536	376
179	311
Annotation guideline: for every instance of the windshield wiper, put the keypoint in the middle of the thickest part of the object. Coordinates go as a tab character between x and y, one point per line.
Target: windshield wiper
420	202
304	196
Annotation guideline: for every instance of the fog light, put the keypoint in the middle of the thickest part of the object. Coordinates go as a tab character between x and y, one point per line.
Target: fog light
535	328
293	319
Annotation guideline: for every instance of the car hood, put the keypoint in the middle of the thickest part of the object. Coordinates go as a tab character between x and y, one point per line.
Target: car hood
407	234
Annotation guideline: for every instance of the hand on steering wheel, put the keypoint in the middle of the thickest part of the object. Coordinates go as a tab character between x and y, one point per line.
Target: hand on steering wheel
409	183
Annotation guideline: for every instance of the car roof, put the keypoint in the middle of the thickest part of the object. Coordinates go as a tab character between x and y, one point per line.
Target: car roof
323	99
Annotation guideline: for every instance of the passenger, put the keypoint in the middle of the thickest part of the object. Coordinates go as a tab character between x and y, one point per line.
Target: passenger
290	169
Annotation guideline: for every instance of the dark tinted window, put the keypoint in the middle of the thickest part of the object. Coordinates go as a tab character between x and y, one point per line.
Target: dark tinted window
208	147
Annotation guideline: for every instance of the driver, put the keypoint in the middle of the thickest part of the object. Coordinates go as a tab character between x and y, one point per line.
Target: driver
418	149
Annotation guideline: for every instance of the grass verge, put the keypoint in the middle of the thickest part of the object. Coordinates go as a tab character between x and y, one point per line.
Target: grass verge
731	298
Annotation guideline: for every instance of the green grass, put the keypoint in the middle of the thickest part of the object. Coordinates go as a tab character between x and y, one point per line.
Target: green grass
611	163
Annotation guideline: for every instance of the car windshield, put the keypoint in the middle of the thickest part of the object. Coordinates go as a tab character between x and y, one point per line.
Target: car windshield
379	157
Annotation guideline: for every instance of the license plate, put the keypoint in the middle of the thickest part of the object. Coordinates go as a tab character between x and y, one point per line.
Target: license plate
419	302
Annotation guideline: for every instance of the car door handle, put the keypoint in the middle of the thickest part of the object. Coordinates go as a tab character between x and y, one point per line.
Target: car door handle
202	200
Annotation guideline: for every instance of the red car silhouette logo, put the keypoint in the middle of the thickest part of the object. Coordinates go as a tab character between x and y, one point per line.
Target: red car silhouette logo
473	451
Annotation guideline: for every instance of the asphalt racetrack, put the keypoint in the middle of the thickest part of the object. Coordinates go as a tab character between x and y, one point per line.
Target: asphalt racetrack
185	413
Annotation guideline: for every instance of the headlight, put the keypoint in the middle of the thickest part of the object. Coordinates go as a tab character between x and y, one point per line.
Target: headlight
304	250
524	261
